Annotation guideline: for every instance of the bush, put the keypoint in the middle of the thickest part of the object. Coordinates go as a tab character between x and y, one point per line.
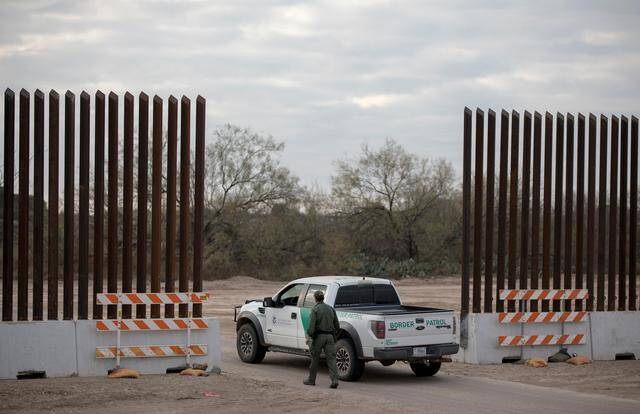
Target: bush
386	268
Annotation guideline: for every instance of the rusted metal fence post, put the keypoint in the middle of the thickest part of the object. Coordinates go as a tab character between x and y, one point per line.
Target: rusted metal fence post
127	207
466	211
185	149
156	202
198	202
526	183
513	205
7	213
54	149
557	228
170	243
579	284
535	205
591	212
633	216
23	208
83	212
546	214
490	212
613	216
622	244
98	206
143	165
38	204
112	214
477	220
602	212
568	215
69	203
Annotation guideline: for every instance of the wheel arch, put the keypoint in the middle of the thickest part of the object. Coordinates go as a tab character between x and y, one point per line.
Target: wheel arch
348	331
248	317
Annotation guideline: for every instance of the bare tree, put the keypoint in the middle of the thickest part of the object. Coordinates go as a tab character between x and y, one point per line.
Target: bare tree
243	172
386	192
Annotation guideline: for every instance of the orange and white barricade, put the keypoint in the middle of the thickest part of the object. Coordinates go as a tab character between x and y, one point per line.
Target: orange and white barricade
532	340
120	325
527	295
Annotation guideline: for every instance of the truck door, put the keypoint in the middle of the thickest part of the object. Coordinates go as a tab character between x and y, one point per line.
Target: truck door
282	319
305	312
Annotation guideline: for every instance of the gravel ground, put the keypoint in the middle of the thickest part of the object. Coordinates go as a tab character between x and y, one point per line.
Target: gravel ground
173	393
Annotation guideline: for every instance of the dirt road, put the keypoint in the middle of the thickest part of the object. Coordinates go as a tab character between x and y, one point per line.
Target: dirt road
443	393
595	388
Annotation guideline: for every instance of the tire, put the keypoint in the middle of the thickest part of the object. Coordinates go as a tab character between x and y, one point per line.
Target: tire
350	367
248	345
427	369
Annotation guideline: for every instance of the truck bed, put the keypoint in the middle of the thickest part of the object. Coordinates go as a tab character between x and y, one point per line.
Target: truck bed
391	310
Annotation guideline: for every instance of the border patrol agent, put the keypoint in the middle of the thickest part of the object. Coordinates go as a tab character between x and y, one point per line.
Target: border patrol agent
323	327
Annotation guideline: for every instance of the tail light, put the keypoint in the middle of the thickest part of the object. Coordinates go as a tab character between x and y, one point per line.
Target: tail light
454	324
378	329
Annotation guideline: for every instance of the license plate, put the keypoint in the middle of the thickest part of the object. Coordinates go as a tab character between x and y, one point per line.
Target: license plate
420	351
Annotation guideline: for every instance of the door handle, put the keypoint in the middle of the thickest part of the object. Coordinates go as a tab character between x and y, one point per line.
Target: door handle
294	315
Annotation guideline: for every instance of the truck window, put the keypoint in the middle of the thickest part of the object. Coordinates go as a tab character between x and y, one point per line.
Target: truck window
309	300
385	295
363	295
289	297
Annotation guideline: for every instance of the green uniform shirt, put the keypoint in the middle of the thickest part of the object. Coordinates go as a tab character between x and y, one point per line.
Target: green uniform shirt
323	318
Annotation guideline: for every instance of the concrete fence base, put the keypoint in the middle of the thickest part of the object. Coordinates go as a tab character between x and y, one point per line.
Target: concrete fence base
606	333
67	348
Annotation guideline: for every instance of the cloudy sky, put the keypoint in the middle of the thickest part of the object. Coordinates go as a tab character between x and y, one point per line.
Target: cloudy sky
327	76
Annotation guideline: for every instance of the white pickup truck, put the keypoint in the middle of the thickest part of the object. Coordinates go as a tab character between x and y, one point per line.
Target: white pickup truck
374	325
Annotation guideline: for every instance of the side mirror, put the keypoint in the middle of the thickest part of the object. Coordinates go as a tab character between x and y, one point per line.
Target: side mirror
268	302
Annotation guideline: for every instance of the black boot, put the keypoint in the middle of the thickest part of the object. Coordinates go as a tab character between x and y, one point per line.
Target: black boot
308	382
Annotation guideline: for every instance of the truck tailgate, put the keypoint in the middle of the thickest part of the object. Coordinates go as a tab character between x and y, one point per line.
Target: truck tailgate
419	329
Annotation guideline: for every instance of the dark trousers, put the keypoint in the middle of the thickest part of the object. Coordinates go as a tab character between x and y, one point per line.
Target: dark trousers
323	342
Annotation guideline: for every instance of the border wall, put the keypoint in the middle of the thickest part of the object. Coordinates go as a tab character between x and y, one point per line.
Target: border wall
68	241
550	204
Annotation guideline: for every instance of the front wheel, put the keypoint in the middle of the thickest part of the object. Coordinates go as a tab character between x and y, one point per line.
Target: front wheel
425	369
350	367
248	345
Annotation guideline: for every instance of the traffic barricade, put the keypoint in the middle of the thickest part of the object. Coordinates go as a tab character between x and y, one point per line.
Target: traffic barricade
120	326
522	318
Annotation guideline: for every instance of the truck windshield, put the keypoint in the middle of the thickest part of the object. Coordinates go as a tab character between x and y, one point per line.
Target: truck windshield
366	295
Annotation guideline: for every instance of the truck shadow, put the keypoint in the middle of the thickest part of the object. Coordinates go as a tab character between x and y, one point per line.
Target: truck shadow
374	372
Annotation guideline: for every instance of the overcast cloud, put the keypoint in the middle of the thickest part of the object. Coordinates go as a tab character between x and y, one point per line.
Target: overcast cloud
326	77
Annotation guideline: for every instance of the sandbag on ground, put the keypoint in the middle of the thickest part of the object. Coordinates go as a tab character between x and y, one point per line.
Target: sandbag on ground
536	363
578	360
124	373
193	372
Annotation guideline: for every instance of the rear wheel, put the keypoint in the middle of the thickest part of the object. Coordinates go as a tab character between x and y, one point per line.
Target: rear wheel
350	367
248	345
425	369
